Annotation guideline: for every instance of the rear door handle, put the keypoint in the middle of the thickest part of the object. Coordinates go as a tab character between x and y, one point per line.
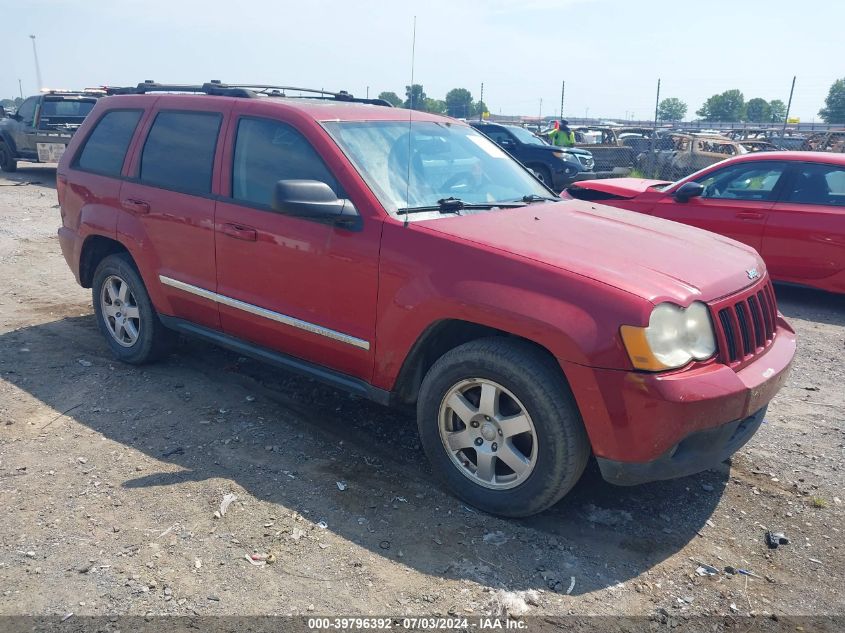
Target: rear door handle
750	215
136	206
240	232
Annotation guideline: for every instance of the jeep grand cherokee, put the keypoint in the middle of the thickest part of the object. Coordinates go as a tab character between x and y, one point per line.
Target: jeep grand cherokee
405	257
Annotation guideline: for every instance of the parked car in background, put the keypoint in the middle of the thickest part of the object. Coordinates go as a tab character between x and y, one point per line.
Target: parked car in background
690	153
789	206
415	262
830	141
43	125
556	167
612	157
792	139
758	146
645	139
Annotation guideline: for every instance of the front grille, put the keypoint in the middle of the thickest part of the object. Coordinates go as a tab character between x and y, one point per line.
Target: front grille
745	323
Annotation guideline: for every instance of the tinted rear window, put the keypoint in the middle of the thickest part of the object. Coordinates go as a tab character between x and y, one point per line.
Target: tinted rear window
71	108
106	146
179	152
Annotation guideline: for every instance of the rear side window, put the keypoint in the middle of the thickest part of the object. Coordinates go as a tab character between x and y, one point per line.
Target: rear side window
267	151
179	152
818	184
106	146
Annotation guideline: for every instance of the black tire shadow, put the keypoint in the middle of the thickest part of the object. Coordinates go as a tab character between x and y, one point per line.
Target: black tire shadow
810	304
599	534
30	174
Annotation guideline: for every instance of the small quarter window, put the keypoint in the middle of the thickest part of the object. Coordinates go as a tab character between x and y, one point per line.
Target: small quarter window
105	148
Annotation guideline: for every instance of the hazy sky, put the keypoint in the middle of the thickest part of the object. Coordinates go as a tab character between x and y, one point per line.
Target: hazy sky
610	52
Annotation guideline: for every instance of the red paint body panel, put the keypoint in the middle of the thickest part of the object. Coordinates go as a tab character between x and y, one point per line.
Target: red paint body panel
565	276
801	243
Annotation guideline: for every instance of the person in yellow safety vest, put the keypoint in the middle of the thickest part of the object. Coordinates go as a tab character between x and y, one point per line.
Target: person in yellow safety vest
561	135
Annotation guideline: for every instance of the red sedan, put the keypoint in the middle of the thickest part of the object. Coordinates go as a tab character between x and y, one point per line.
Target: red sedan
789	206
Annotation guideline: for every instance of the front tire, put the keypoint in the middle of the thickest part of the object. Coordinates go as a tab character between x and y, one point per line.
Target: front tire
7	159
501	428
125	315
544	175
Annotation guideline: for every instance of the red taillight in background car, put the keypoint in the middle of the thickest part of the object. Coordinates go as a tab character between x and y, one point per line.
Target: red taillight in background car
61	184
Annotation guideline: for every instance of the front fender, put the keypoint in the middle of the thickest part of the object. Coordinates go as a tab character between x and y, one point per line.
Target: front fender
573	317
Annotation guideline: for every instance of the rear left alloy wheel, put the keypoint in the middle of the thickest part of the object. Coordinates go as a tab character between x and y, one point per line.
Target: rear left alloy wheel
500	427
125	314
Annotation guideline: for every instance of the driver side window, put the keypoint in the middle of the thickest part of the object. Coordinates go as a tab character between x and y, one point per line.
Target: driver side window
27	111
748	181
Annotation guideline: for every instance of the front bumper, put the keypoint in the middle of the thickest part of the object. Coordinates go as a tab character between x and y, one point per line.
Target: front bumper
568	174
636	418
693	454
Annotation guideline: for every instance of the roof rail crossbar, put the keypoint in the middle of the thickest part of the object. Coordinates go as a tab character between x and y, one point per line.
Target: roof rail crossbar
215	87
313	93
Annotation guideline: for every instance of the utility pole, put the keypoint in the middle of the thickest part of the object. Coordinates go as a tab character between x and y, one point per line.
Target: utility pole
540	116
481	101
368	92
788	107
562	92
37	67
653	151
20	88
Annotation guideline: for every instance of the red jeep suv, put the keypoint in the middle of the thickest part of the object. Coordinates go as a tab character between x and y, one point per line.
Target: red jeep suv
406	258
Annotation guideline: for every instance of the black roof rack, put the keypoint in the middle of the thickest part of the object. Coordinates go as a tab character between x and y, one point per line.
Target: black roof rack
248	91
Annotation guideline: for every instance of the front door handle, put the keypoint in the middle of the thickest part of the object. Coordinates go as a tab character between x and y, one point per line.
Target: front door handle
136	206
240	232
750	215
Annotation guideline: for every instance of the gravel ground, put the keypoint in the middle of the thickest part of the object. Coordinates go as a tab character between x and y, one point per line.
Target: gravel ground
110	477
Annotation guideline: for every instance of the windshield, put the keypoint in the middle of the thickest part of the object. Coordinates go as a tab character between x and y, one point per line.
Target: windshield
418	164
525	136
70	108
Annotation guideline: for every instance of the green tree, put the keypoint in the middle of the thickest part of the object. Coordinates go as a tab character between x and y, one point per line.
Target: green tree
728	106
415	97
758	110
436	106
459	103
778	111
392	98
478	108
671	109
834	106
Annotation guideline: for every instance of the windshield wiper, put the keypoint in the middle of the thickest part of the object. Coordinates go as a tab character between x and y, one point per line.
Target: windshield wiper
454	205
533	197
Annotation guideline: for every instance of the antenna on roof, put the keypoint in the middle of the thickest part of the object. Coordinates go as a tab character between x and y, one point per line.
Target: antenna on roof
410	116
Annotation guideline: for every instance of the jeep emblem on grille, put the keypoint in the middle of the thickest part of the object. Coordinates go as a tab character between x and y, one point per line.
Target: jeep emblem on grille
752	273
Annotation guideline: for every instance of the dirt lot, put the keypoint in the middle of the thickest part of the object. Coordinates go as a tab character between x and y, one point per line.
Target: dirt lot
110	476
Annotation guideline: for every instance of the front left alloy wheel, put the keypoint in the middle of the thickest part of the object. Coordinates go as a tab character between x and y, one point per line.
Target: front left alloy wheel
500	426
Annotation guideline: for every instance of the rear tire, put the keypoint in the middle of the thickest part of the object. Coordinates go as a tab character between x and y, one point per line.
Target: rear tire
528	419
125	315
7	159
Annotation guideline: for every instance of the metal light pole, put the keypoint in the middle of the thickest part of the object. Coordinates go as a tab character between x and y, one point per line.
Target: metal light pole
20	88
788	108
37	67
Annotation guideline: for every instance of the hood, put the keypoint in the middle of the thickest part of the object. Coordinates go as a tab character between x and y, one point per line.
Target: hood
622	187
555	148
652	258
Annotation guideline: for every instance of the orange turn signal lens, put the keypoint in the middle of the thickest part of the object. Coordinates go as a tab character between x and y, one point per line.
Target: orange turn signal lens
639	350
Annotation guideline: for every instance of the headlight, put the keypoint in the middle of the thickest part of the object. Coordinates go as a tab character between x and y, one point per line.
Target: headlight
569	158
674	337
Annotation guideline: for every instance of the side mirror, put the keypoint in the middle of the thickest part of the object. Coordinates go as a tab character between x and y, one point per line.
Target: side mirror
313	199
688	190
